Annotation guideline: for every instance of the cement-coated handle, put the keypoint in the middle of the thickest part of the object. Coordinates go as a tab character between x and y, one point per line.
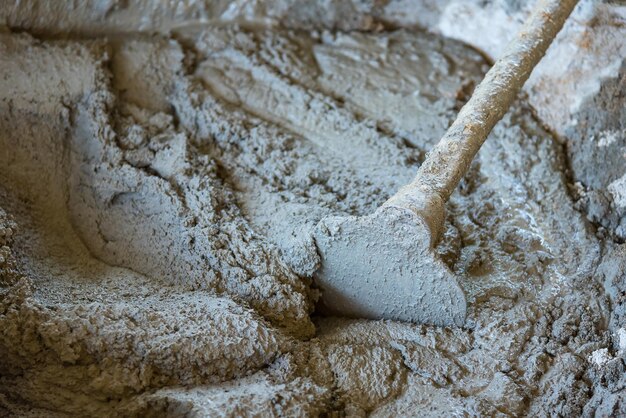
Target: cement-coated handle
450	159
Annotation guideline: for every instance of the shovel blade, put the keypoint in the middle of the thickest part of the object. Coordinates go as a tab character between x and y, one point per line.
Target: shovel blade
382	267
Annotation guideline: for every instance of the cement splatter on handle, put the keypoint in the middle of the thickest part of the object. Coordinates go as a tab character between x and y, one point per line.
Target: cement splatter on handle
450	159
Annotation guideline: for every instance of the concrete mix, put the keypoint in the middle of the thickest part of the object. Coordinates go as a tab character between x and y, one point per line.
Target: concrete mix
162	166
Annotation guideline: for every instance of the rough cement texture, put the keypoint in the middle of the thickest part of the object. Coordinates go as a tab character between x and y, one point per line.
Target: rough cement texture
158	191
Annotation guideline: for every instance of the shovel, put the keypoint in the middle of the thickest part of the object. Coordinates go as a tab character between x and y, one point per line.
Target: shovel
383	266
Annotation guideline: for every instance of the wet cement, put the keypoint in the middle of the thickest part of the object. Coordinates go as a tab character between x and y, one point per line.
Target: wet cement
158	195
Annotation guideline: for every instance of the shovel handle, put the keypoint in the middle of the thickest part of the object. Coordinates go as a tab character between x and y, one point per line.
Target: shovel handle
450	159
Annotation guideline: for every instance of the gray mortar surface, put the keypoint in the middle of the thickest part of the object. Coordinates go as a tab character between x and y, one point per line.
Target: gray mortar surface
157	197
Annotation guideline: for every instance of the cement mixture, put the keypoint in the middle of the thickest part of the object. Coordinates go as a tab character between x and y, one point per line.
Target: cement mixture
159	186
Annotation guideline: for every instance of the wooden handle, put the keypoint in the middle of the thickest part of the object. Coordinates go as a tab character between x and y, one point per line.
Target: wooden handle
450	159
